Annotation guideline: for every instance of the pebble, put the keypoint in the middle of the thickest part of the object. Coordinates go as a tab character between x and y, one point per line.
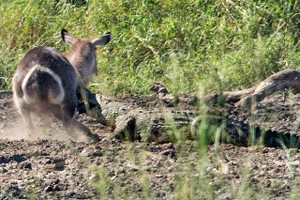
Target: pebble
26	165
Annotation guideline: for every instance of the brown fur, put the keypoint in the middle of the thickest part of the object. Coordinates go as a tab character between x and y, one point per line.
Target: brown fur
46	81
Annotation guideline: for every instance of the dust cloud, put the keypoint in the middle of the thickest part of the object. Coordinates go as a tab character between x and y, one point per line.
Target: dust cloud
15	129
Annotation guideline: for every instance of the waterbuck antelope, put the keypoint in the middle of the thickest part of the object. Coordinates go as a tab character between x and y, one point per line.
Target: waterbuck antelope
46	81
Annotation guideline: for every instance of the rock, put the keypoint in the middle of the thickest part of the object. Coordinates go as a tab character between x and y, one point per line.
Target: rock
97	153
49	188
25	165
59	164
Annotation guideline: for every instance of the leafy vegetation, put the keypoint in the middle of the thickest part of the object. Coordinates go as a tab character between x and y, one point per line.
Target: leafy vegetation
190	46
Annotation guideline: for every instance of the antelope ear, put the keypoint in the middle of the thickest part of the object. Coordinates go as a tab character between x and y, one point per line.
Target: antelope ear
67	38
102	40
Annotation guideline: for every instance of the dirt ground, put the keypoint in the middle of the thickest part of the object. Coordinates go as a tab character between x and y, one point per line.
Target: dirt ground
51	166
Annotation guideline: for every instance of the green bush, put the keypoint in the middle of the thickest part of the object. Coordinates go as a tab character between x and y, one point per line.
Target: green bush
188	45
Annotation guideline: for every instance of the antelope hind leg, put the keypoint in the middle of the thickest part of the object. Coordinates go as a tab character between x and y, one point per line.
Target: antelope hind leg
28	122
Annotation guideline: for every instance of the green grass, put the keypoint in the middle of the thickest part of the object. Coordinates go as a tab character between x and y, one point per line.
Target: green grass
191	46
186	45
